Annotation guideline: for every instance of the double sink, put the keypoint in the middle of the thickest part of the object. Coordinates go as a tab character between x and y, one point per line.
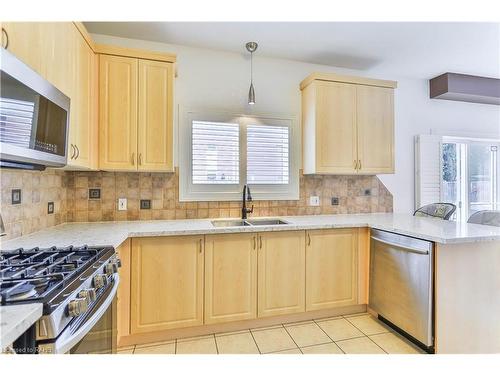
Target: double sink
247	222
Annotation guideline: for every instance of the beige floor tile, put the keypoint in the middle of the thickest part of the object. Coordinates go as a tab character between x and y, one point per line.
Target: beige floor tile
155	344
340	329
269	327
368	324
356	314
307	334
330	348
360	345
325	319
289	351
231	333
298	323
157	349
394	344
199	346
240	343
125	351
273	340
195	338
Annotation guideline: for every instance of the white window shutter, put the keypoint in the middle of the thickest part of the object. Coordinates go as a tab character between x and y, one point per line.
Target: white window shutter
268	154
216	155
427	169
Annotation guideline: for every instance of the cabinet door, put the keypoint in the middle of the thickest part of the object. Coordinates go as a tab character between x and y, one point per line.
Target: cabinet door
117	113
331	272
25	42
281	273
375	119
155	130
336	128
167	283
83	131
230	277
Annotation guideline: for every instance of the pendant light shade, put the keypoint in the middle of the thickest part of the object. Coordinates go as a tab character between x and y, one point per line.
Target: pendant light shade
251	95
251	47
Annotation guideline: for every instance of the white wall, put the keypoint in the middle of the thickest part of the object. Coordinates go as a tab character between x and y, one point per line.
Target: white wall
209	79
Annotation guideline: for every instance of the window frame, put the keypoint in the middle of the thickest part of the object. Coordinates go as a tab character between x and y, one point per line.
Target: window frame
189	192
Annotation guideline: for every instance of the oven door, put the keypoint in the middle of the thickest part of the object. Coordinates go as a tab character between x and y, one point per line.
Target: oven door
95	333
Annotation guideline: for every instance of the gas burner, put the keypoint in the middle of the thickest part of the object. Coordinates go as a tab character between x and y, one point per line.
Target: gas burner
22	292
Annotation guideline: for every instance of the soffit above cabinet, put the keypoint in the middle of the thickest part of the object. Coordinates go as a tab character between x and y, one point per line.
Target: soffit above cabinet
333	77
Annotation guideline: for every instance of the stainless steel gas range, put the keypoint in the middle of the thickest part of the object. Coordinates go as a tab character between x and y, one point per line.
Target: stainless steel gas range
77	286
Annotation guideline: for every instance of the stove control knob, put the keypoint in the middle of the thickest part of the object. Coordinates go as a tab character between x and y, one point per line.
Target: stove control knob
100	281
77	306
88	294
118	262
111	268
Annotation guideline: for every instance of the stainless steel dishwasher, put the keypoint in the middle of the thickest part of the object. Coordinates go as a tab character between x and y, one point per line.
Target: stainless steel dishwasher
401	284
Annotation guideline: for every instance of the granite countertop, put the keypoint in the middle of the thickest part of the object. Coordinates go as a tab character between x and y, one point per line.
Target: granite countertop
114	233
15	320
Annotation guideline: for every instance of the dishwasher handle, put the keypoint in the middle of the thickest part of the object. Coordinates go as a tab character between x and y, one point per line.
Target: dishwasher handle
405	247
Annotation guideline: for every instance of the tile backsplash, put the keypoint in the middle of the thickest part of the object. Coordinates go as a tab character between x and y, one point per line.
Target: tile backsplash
70	193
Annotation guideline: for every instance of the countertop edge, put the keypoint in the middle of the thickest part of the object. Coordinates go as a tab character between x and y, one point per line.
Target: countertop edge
11	332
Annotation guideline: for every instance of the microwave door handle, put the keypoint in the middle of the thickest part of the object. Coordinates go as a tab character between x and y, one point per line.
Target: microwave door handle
67	343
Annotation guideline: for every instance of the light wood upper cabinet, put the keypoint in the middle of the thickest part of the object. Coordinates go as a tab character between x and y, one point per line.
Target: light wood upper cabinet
25	42
375	119
335	145
166	283
281	273
230	277
83	130
117	113
348	125
331	268
155	130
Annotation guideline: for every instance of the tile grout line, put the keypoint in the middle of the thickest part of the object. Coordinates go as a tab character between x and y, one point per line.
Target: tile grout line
367	336
291	338
216	347
328	337
378	345
251	333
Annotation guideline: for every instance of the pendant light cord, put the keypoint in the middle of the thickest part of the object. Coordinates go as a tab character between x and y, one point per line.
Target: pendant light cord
251	67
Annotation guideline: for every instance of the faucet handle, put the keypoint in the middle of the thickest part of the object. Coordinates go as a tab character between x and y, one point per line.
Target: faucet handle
250	210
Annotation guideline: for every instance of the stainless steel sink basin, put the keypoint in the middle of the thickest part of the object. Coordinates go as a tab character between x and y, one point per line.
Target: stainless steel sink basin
229	223
248	222
272	221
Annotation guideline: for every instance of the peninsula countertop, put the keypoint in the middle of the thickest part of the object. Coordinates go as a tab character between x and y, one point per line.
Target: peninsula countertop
15	320
114	233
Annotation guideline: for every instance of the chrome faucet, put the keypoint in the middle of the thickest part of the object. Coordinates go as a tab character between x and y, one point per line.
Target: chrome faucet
246	197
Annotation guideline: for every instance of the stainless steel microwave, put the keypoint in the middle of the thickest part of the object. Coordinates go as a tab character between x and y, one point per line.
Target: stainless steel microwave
34	118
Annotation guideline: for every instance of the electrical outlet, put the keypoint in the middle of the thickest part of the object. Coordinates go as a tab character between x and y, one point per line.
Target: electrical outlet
145	204
335	201
94	193
16	196
314	200
50	208
368	192
122	204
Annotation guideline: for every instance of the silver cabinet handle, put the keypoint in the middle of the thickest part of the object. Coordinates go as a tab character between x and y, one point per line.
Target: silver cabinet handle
254	242
77	152
140	159
4	32
260	240
73	151
355	164
308	239
359	167
201	245
133	158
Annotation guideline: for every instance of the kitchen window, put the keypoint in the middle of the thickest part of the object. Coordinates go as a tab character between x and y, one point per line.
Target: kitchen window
221	152
462	171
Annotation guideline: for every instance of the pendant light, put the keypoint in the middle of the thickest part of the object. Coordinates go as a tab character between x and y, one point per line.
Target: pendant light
251	47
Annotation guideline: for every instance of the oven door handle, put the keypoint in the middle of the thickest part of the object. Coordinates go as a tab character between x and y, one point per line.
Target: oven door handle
64	344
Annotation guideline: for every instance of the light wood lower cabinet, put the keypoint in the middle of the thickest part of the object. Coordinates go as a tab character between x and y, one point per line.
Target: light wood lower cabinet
281	273
230	277
167	283
123	295
331	268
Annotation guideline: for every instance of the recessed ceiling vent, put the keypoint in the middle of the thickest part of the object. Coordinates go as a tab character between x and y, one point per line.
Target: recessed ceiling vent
465	88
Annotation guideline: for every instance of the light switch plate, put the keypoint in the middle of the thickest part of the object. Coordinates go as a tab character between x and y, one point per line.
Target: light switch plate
122	204
314	200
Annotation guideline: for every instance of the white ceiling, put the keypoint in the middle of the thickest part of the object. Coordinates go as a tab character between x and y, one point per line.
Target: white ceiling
421	50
